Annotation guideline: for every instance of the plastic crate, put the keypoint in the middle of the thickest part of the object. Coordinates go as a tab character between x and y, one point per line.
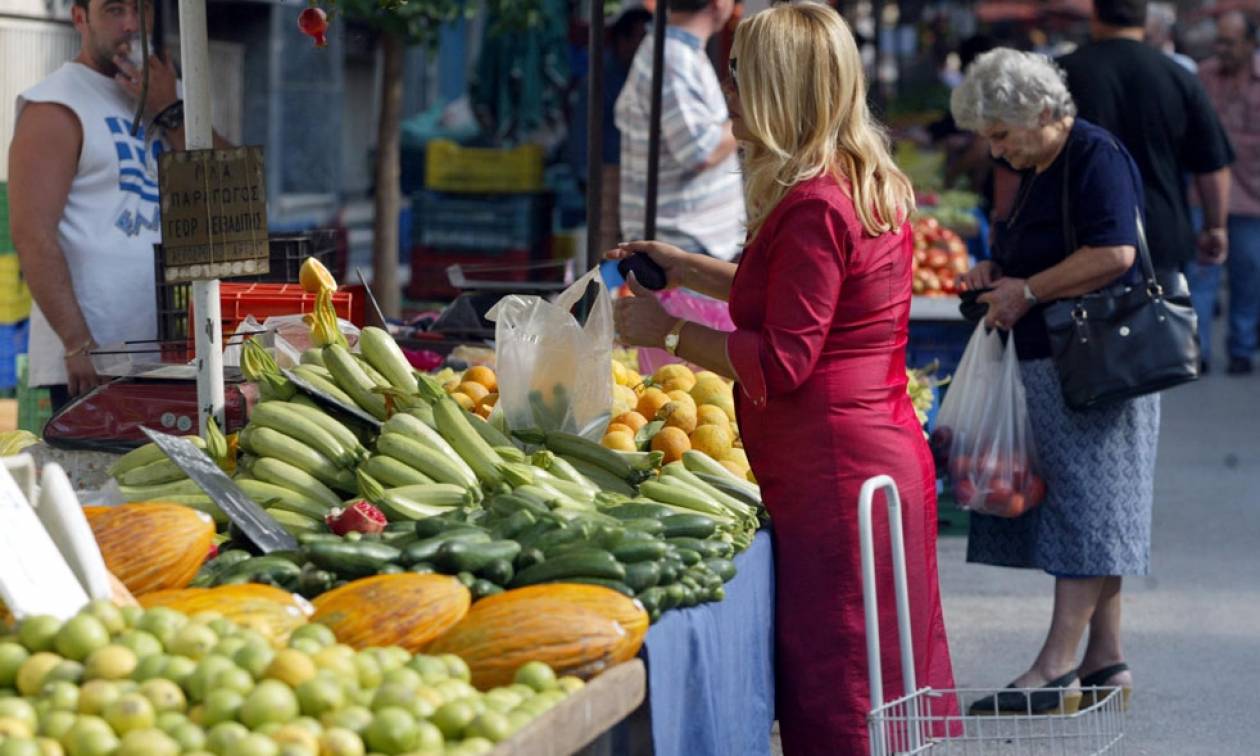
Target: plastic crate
34	404
448	167
481	222
15	297
287	252
429	280
940	342
238	301
13	342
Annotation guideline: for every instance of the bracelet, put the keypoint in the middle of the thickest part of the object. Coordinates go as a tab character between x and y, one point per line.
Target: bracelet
83	348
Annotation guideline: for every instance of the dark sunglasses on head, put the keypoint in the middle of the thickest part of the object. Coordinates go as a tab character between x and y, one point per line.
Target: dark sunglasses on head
734	73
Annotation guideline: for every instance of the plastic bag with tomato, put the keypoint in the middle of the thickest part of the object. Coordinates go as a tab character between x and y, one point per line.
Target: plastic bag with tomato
983	434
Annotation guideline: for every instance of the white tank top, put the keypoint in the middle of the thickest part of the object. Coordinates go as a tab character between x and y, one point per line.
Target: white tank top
110	223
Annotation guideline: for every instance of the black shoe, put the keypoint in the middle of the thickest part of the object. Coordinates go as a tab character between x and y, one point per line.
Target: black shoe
1094	687
1205	367
1239	366
1052	698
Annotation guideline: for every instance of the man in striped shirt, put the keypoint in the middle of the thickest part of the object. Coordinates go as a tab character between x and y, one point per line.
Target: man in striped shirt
700	202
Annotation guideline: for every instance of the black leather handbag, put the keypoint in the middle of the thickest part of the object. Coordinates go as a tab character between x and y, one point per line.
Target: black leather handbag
1126	340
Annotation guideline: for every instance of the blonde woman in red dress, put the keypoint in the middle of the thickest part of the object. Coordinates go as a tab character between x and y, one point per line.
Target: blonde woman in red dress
821	302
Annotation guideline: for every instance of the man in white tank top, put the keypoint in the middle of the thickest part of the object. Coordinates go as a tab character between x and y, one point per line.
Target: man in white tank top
83	196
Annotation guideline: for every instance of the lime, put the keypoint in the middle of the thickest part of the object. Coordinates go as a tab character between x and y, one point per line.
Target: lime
50	747
570	684
474	746
394	657
149	667
453	690
291	667
223	737
166	721
491	725
338	741
95	695
315	631
452	717
19	747
228	646
235	679
432	670
54	724
296	737
69	671
30	676
12	656
536	675
193	640
143	644
524	691
15	728
189	736
131	614
165	695
308	646
518	719
353	718
392	731
391	695
38	633
319	695
112	662
338	660
162	622
369	671
198	682
404	676
90	736
61	695
254	658
131	711
456	667
271	701
223	627
256	745
147	743
80	636
310	724
108	613
221	706
420	708
21	710
501	700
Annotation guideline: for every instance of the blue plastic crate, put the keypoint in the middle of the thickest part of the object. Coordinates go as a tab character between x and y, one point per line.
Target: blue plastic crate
480	222
13	341
941	342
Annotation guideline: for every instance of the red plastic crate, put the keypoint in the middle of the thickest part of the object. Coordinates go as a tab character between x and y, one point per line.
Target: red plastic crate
428	269
263	300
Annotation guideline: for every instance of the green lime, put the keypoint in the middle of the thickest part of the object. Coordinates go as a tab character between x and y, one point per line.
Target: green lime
149	667
296	738
392	695
319	695
491	725
55	724
456	667
189	736
178	669
315	631
162	622
108	613
420	708
570	684
392	731
50	747
291	667
80	636
223	627
353	718
256	744
20	747
95	695
404	676
21	710
339	660
165	695
148	743
337	741
223	737
61	695
193	640
536	675
475	746
221	706
131	711
228	646
12	657
235	679
271	701
166	721
310	724
68	671
453	690
308	646
90	736
30	676
254	658
39	633
432	669
369	671
143	644
453	717
131	614
199	681
518	719
113	662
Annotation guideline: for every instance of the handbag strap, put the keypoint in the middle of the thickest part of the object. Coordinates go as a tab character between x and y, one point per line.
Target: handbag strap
1069	230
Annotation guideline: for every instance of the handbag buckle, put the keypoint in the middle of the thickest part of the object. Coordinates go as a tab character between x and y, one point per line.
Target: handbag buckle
1155	290
1079	314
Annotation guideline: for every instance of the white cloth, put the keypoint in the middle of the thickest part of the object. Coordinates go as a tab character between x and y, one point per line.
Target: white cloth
110	223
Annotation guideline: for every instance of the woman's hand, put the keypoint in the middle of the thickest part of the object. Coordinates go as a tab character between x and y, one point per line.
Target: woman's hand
672	259
1006	302
981	276
640	320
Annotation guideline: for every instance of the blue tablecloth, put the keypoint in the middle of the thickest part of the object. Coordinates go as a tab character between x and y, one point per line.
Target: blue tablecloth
711	667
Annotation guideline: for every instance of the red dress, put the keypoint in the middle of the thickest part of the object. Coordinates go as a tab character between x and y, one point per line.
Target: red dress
822	311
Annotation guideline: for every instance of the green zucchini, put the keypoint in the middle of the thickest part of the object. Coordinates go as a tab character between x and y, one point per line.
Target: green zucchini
688	525
584	563
632	551
272	569
638	511
688	556
430	526
651	598
642	575
649	525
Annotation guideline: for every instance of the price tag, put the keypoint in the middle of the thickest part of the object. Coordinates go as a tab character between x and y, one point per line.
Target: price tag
330	401
34	577
255	523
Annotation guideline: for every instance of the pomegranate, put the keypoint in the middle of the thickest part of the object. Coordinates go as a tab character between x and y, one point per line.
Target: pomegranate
314	23
360	517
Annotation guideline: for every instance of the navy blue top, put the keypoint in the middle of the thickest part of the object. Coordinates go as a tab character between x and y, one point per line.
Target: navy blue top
1104	191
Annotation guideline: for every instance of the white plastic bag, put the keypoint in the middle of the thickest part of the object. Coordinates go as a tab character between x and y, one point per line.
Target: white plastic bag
554	373
983	423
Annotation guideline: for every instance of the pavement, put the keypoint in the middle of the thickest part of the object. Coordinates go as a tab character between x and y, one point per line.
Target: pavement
1192	627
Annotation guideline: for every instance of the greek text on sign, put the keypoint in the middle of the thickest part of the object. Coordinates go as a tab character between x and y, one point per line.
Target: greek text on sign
214	213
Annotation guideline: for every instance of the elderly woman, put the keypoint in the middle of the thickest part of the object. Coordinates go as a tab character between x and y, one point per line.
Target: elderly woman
1095	523
820	301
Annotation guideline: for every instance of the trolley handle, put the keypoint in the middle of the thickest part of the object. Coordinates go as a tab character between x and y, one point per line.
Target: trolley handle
870	600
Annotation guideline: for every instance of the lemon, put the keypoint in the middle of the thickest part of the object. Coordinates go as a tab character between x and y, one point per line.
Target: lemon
713	440
291	667
108	613
254	658
189	736
147	743
235	679
432	669
570	684
680	415
452	718
30	676
57	723
193	640
321	634
456	667
60	695
12	657
318	696
39	632
21	710
223	738
142	643
338	741
129	712
709	414
221	706
353	718
19	747
675	373
112	662
296	736
95	695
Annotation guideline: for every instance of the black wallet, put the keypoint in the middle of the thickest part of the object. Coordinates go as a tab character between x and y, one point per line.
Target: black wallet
972	310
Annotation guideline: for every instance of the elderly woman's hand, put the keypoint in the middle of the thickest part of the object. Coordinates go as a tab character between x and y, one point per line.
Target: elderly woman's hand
640	320
1007	303
981	276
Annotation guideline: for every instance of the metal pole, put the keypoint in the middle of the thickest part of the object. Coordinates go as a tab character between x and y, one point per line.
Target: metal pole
654	121
195	56
594	136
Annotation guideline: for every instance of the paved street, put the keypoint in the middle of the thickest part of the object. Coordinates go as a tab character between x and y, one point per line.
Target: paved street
1193	625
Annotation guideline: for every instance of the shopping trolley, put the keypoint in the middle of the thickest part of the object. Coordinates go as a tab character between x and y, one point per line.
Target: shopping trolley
915	723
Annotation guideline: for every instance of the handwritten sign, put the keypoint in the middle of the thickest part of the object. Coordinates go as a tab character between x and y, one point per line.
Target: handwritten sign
256	524
214	213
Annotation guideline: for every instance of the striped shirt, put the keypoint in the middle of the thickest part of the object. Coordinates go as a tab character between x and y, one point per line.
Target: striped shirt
697	209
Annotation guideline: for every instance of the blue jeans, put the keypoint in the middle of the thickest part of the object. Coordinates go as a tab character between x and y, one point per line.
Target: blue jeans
1243	266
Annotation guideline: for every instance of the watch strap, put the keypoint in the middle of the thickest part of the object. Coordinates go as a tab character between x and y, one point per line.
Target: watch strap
674	336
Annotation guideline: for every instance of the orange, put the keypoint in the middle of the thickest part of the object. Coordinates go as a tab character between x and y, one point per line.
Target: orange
632	420
619	440
619	428
313	276
672	442
474	391
682	397
483	375
651	401
489	400
678	415
483	410
464	400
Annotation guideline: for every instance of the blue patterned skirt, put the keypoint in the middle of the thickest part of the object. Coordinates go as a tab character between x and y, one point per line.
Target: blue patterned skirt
1099	468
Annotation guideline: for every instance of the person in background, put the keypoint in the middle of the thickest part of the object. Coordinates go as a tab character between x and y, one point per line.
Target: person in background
1232	80
1161	26
83	196
700	206
1163	117
820	300
1099	465
624	36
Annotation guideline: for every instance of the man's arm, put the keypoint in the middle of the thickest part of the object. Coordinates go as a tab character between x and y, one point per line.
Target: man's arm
725	148
43	159
1213	190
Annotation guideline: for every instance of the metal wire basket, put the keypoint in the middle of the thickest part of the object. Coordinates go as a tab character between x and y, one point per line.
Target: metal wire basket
927	721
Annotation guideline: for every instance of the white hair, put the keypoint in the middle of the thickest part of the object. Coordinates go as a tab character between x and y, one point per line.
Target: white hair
1011	87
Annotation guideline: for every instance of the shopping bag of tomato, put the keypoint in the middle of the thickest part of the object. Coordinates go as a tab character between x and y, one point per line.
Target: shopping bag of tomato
982	431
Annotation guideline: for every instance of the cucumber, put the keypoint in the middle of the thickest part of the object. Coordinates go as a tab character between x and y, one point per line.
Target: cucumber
423	568
353	559
466	579
306	539
466	556
637	511
615	585
633	551
499	572
528	558
271	569
295	523
482	588
693	526
390	569
529	537
312	583
648	525
643	575
705	548
427	549
557	540
507	504
586	563
511	526
688	556
651	598
431	526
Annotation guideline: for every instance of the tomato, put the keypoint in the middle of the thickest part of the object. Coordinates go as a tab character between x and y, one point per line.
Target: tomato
964	491
1035	490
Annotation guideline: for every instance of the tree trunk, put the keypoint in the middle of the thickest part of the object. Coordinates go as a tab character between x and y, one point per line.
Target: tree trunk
385	282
